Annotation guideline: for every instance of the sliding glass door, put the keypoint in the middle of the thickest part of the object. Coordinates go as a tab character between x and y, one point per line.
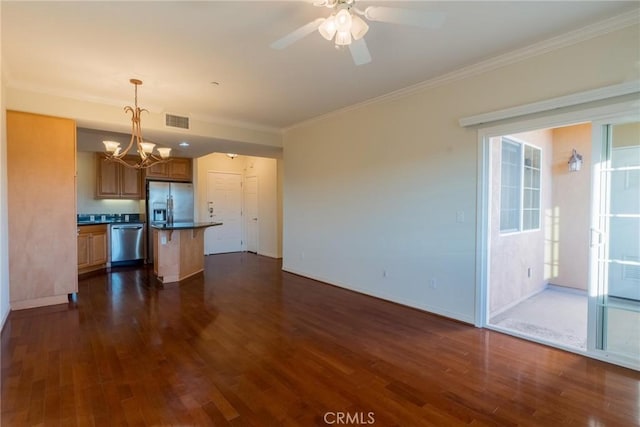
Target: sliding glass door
614	311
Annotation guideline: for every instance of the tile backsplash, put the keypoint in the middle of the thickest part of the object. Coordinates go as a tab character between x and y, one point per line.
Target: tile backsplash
110	217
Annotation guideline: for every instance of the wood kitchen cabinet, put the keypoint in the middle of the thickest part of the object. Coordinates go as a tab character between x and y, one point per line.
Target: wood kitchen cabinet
41	193
116	181
92	247
177	169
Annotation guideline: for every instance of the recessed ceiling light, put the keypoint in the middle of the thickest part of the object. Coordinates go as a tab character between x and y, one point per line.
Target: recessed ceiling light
184	144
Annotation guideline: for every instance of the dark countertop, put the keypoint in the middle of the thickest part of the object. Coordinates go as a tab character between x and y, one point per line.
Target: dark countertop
184	225
99	222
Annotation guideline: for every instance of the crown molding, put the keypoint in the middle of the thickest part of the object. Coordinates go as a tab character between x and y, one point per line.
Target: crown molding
600	28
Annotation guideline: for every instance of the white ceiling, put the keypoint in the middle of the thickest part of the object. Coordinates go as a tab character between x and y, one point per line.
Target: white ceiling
90	50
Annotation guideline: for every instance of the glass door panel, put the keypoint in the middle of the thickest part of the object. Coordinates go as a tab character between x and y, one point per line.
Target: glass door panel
617	235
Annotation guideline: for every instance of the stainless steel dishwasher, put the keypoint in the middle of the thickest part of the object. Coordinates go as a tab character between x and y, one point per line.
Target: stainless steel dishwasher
127	242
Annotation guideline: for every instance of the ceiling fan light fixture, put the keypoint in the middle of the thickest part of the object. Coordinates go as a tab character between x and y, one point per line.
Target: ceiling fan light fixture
328	28
343	20
343	38
358	27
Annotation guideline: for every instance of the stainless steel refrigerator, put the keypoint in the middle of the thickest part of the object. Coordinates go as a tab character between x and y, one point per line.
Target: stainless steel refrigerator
167	202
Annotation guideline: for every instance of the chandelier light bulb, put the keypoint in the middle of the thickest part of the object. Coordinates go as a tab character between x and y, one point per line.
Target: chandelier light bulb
164	152
147	147
111	146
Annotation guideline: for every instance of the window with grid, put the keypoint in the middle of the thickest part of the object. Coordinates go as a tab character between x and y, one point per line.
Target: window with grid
519	187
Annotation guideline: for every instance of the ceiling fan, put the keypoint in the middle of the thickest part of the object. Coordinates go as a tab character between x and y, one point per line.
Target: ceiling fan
346	26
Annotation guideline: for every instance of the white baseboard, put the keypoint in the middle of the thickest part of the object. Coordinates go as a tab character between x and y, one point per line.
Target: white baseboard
391	298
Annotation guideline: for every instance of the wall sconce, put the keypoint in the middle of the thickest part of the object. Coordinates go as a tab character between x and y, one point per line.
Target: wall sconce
575	161
234	155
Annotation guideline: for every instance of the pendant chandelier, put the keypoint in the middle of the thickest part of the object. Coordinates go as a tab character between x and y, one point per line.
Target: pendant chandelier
147	157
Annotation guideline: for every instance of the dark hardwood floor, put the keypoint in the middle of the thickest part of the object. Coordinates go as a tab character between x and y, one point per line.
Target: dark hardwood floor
248	345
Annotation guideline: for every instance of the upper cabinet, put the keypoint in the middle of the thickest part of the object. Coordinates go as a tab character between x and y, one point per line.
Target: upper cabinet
177	169
131	183
116	181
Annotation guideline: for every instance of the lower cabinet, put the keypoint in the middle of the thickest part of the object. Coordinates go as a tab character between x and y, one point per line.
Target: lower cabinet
92	247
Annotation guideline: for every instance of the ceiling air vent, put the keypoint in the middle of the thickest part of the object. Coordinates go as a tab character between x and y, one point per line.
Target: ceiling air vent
173	121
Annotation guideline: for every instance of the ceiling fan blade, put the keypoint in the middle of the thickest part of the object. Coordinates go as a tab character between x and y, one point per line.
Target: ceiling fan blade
296	35
393	15
360	52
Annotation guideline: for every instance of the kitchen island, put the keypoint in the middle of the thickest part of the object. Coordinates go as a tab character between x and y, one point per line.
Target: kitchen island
178	249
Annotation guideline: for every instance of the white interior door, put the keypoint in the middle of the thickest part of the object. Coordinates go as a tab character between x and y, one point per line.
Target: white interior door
251	210
224	204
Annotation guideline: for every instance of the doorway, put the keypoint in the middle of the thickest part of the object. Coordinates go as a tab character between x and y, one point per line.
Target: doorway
607	244
539	247
224	204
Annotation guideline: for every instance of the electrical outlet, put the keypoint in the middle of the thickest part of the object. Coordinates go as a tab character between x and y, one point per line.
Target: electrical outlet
460	216
384	273
302	255
433	283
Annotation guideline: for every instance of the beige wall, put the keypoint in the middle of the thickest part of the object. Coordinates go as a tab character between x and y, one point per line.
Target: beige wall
4	249
87	203
515	255
568	259
374	197
269	188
